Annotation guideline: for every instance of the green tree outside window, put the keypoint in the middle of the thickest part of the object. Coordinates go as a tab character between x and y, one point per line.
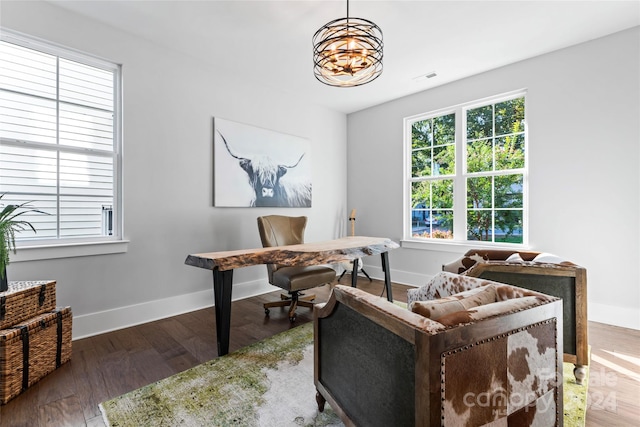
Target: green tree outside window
492	174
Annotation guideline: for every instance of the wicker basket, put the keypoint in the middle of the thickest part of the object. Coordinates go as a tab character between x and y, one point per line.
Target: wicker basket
25	300
33	349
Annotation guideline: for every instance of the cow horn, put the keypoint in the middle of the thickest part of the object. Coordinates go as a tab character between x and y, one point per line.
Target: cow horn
293	166
228	149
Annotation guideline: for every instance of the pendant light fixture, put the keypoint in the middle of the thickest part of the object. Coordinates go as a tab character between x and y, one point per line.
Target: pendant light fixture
347	52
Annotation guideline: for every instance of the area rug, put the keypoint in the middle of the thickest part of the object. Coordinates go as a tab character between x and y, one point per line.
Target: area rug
575	397
269	383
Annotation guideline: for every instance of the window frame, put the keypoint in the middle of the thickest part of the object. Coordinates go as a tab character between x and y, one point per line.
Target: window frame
460	179
51	248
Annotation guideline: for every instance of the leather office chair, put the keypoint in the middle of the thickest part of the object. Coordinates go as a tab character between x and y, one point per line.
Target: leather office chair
278	230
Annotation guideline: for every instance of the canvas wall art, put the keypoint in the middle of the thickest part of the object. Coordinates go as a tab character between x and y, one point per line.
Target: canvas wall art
255	167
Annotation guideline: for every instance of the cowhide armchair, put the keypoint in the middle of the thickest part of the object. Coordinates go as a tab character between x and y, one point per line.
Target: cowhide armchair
493	355
544	273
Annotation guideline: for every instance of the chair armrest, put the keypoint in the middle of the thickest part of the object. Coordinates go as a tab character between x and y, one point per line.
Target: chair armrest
398	320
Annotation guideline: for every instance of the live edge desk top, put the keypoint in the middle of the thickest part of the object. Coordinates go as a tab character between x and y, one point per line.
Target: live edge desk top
329	252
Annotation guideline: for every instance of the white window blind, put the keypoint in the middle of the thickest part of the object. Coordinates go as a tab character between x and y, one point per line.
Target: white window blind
59	144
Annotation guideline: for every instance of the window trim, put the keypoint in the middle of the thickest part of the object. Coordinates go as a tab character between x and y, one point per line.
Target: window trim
29	250
459	226
52	48
69	250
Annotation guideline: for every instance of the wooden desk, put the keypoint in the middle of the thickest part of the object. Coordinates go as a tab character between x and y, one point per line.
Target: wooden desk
329	252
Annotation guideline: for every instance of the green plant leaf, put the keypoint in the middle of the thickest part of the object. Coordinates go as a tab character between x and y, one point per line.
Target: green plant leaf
9	226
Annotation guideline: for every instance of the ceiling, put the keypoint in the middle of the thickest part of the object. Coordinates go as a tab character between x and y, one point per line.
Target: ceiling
268	43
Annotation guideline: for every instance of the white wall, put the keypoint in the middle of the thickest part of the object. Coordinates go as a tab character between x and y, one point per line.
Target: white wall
169	103
583	108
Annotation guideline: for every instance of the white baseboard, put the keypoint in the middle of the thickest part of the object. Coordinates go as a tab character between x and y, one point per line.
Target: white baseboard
87	325
614	315
397	276
123	317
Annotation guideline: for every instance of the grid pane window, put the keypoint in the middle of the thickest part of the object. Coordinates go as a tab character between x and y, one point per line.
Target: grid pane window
59	147
495	159
479	151
432	157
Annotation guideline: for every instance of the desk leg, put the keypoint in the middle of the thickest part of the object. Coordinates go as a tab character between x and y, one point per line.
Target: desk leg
354	273
387	274
222	281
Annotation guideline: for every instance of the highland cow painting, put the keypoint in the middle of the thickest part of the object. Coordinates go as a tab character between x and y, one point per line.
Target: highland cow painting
255	167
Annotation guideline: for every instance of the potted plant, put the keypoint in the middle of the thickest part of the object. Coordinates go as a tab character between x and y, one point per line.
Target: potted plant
9	225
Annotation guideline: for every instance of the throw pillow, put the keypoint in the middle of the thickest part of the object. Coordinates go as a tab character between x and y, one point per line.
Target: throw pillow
508	292
514	258
438	308
443	285
489	310
548	258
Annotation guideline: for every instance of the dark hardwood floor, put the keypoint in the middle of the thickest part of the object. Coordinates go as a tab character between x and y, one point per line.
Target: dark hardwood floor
107	365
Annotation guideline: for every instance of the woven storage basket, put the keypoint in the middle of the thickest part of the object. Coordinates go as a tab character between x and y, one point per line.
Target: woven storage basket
33	349
25	300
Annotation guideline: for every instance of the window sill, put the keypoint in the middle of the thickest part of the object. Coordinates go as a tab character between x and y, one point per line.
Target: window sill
69	250
457	247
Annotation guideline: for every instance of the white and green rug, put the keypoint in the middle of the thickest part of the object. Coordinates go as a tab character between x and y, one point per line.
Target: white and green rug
269	383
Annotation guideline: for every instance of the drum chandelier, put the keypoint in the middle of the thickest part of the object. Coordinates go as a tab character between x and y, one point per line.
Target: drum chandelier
347	52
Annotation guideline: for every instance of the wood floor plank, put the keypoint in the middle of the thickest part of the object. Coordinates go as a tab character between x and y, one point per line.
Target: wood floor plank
149	364
201	323
90	384
614	376
167	346
156	335
21	411
57	385
62	412
120	374
182	361
131	339
96	422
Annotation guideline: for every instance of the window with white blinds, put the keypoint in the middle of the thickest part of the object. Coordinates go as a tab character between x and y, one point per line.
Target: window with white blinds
59	139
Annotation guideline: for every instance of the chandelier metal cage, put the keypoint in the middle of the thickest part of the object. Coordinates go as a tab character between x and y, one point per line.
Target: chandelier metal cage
347	52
